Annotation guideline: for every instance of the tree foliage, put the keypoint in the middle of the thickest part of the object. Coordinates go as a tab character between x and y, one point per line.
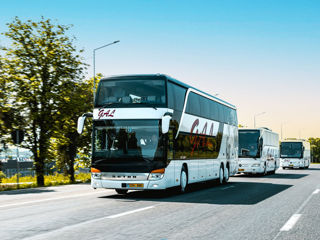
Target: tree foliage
42	66
315	149
67	143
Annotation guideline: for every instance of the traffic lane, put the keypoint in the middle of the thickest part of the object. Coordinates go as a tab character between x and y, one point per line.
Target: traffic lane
198	195
197	210
192	216
308	226
33	219
30	194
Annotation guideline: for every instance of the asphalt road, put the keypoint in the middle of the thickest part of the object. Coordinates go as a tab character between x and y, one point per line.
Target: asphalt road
281	206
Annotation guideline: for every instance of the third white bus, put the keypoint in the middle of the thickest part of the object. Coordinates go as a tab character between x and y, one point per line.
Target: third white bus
295	153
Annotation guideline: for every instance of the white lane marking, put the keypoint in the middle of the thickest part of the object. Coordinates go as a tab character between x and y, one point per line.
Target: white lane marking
130	212
290	223
42	235
47	199
296	215
227	187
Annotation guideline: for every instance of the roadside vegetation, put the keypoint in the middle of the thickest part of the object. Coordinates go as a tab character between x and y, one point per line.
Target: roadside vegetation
50	180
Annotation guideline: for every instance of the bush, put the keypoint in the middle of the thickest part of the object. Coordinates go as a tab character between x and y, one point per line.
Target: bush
2	175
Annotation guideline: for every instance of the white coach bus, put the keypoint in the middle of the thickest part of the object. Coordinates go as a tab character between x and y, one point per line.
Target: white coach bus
154	132
258	151
295	153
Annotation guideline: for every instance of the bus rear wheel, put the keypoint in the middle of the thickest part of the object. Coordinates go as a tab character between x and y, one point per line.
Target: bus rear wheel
221	175
226	176
122	191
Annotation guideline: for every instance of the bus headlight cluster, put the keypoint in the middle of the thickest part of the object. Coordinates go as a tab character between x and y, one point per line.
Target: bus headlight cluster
96	175
155	176
256	165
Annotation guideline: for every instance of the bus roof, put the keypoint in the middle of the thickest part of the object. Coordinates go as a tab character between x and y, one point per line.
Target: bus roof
166	77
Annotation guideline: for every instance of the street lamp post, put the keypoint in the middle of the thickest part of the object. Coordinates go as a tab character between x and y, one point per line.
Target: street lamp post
94	65
254	118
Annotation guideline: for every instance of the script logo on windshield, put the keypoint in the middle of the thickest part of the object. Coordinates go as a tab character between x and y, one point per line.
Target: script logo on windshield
108	113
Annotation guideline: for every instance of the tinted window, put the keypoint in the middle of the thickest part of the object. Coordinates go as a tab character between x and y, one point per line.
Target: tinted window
131	93
206	108
176	96
193	105
291	150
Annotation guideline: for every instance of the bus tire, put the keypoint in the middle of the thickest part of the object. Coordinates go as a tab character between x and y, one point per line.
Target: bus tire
226	175
283	168
183	179
122	191
221	175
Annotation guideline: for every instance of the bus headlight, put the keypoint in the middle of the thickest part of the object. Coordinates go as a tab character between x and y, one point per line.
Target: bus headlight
95	173
156	174
255	165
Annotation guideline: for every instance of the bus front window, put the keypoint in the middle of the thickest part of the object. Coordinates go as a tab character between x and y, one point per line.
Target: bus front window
291	150
249	144
131	93
128	142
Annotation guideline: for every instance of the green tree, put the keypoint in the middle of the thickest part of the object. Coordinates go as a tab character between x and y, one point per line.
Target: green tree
315	149
67	143
41	62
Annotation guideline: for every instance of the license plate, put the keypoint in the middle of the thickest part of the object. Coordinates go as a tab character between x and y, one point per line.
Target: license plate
240	170
291	165
135	185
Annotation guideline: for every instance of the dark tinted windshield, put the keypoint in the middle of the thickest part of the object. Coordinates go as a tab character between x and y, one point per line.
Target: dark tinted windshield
129	140
291	150
249	143
131	93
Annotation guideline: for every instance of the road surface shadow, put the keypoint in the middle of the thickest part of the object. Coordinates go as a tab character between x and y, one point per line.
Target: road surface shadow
26	191
277	175
287	175
312	168
235	193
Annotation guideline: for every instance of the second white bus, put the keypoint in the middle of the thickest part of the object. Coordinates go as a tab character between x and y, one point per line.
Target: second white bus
258	151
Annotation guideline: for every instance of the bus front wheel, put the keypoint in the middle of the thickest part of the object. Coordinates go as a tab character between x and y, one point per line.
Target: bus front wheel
183	180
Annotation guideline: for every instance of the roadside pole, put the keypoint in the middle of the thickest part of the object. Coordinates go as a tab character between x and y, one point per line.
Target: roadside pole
18	167
17	137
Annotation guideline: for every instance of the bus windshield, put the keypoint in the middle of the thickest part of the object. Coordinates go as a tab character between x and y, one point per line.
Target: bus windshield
291	150
128	140
131	93
249	143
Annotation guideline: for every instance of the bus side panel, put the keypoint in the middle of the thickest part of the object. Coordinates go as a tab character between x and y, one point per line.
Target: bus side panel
170	175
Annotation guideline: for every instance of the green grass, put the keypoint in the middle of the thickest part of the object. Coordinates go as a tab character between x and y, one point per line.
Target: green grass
50	180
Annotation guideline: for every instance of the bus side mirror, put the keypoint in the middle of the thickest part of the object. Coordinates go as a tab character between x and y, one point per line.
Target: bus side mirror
165	123
81	121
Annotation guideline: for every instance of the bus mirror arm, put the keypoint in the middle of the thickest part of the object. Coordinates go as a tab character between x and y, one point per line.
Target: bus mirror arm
81	121
165	123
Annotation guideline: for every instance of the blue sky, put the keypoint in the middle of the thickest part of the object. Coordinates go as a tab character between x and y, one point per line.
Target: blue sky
262	56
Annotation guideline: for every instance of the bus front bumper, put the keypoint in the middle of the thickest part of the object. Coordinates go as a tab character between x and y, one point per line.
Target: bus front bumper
129	185
252	170
291	164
